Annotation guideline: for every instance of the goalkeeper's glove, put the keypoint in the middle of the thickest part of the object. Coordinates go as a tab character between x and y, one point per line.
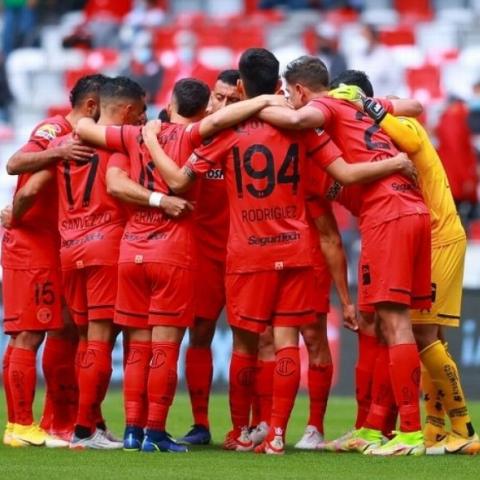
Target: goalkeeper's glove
374	109
351	93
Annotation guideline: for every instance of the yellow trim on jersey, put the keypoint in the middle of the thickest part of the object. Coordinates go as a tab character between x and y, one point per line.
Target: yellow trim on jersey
409	135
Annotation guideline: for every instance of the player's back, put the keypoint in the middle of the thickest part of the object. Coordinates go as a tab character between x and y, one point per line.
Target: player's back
433	181
362	140
264	175
150	235
33	240
90	220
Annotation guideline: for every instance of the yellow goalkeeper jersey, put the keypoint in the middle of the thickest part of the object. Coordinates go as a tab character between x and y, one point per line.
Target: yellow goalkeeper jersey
411	137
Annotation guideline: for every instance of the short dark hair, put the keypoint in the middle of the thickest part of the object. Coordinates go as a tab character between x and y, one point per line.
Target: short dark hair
259	71
230	77
86	85
191	96
308	71
354	77
121	87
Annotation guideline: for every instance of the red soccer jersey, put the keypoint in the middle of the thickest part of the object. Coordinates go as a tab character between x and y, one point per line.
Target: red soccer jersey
33	241
362	140
150	235
90	221
264	169
211	216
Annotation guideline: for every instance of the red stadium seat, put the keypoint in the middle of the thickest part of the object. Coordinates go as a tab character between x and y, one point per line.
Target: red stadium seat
113	9
414	10
101	58
58	110
163	38
341	16
72	76
425	82
401	35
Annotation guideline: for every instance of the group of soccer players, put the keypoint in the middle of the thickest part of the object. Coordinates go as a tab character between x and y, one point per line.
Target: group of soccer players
153	228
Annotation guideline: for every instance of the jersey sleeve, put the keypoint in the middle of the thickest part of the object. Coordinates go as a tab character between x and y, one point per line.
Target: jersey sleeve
193	130
321	149
119	160
42	136
211	153
322	105
386	104
121	138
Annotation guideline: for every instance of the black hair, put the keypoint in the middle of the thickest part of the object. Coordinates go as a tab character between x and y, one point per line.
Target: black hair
121	87
308	71
230	77
354	77
163	115
259	71
89	84
191	96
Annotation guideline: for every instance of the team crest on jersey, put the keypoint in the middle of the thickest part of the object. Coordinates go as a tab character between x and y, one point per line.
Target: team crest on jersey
333	191
48	131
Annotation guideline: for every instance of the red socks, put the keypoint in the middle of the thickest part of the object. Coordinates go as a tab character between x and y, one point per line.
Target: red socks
319	383
162	383
23	377
286	379
94	375
199	372
6	384
135	383
405	378
263	389
242	378
383	401
61	397
367	353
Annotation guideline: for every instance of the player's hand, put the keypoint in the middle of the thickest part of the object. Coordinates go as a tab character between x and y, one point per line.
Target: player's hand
374	109
350	317
175	207
351	93
76	151
407	167
6	217
151	129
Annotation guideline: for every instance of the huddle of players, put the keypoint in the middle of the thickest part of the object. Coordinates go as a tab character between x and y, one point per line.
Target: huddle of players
253	202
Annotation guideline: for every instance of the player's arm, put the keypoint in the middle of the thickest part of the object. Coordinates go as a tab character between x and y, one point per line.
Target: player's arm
178	179
121	186
364	172
24	161
91	132
237	112
334	253
25	197
406	107
305	117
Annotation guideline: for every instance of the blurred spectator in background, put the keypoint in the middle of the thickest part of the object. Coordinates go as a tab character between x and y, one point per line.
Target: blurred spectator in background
456	150
316	4
474	109
144	67
368	55
6	99
19	22
327	49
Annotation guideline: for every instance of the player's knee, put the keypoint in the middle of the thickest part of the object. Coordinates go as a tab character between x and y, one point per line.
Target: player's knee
201	335
425	335
100	331
29	340
245	342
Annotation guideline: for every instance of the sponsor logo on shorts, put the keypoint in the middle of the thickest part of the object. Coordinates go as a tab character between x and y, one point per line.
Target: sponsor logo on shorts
47	131
44	315
403	187
284	237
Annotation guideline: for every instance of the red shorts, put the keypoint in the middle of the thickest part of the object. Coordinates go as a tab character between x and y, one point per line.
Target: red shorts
90	292
322	284
151	294
395	263
282	298
32	300
209	288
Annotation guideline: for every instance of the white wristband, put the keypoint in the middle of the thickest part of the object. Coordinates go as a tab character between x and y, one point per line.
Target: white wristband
155	199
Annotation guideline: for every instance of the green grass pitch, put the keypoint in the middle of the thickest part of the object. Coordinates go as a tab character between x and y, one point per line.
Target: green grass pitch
213	463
